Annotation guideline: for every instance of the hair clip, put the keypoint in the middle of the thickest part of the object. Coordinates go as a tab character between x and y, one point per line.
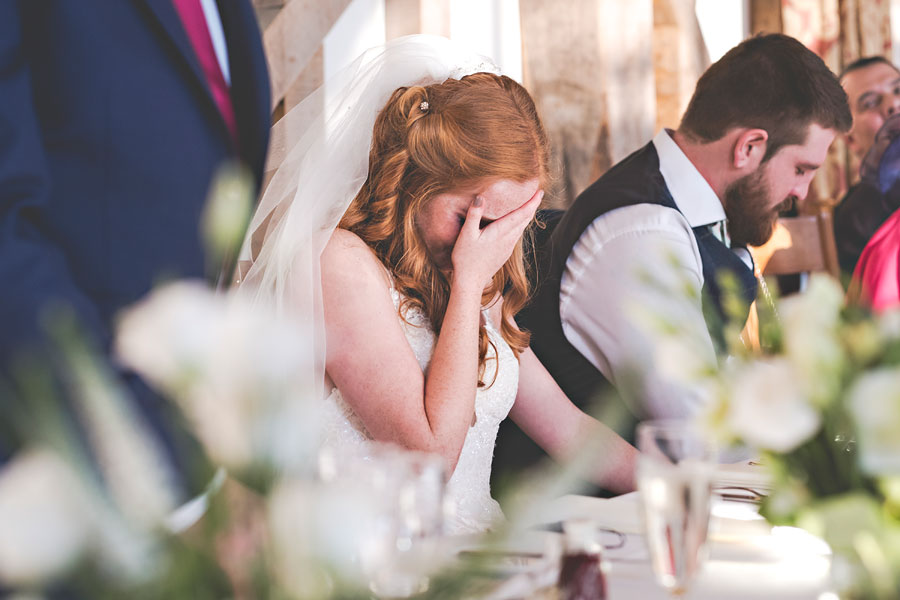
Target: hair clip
424	106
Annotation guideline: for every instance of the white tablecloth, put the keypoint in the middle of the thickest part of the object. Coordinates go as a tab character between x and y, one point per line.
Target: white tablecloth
748	559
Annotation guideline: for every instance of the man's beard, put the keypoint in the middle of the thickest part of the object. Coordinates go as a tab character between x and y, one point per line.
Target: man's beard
750	220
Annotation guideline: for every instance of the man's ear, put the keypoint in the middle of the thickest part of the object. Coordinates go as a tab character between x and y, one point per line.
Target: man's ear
749	149
850	140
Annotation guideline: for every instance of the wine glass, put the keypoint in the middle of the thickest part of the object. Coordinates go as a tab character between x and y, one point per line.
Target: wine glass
674	476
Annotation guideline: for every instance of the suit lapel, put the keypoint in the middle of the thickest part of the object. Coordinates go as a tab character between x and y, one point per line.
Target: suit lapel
249	79
172	31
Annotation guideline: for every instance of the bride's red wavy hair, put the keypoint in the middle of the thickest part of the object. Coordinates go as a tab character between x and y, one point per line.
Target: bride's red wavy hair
476	129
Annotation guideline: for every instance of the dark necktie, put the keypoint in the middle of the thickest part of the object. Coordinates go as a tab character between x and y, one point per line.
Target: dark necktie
195	26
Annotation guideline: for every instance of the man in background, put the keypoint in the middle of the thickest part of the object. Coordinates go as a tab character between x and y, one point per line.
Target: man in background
661	234
872	84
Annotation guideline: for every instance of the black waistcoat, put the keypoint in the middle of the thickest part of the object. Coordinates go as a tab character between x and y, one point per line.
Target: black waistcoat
635	180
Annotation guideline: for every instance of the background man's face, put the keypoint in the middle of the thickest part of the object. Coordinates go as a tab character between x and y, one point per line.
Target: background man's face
874	95
753	202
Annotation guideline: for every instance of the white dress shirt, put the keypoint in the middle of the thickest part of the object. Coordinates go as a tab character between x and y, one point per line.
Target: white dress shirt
217	34
632	267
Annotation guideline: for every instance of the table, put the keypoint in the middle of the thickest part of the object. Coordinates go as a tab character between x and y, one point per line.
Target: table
748	558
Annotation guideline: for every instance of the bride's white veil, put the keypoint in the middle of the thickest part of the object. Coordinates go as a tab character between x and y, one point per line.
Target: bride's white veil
317	177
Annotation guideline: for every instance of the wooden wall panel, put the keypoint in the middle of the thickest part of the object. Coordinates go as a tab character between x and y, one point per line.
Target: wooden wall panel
590	70
765	16
294	36
405	17
679	58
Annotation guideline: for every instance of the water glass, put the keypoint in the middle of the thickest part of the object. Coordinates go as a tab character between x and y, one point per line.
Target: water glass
402	542
674	476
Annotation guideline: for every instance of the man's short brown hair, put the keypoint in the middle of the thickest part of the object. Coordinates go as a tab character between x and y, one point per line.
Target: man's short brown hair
770	82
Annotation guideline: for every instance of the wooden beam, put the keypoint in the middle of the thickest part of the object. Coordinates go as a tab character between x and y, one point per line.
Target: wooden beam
312	78
589	67
405	17
266	11
679	58
629	82
765	16
293	38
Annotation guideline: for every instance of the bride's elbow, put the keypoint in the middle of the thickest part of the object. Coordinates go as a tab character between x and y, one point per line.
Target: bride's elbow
449	454
426	442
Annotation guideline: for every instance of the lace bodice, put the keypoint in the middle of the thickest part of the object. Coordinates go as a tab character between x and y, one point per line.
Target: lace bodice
468	490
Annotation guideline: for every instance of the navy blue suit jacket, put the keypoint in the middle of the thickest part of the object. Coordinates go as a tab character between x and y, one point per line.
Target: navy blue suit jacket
109	137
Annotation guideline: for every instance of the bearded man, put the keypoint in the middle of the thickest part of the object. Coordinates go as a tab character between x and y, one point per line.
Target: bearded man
654	238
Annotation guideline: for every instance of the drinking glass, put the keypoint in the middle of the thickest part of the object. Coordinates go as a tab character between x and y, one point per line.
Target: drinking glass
674	476
582	574
405	492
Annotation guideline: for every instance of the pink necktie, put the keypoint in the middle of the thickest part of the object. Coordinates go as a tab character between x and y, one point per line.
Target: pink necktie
194	21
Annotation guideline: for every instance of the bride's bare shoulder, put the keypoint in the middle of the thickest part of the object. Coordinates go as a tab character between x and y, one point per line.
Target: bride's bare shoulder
344	238
347	256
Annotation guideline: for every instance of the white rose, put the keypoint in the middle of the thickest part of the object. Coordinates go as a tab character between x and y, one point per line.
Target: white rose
889	323
45	518
171	333
243	375
810	324
874	402
684	360
769	408
821	302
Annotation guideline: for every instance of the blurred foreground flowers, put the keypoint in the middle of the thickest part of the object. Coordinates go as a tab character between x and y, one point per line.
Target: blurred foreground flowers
822	408
90	506
232	369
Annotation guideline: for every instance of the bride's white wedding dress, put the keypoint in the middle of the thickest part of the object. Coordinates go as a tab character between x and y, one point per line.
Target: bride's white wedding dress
469	487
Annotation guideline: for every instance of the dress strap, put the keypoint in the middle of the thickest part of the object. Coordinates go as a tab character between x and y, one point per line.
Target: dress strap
395	295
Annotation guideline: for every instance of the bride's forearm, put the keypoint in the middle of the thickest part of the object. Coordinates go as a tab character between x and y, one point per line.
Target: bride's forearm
615	472
452	378
567	433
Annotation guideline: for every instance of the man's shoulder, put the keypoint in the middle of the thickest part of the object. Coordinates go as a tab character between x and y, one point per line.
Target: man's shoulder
638	234
630	200
630	175
644	218
634	180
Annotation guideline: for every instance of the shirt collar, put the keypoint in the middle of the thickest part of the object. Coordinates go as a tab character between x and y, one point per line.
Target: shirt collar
691	192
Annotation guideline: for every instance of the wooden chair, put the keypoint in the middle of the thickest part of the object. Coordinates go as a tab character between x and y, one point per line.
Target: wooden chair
800	244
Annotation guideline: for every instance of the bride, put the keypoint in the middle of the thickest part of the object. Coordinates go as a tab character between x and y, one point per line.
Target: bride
409	266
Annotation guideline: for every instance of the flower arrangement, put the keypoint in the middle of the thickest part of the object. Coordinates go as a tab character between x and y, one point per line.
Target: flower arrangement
90	508
822	408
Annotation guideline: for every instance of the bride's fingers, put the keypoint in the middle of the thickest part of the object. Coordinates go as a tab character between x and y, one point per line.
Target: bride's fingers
530	208
473	217
517	220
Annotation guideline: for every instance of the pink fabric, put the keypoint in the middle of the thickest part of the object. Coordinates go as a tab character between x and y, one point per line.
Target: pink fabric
877	275
194	21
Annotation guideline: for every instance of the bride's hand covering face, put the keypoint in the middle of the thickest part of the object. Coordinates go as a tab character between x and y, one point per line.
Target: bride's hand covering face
474	232
483	245
454	177
434	150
